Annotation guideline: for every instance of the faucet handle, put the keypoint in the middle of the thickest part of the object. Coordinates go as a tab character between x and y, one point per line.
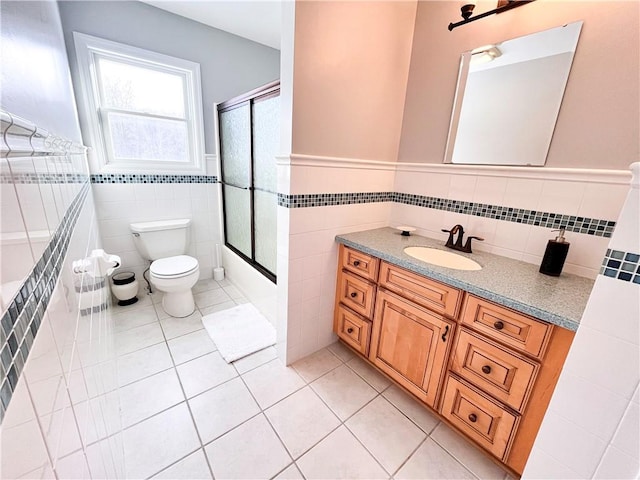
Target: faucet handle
449	243
467	246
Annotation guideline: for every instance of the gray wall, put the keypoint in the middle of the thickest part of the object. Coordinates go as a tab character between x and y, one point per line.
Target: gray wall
34	78
229	65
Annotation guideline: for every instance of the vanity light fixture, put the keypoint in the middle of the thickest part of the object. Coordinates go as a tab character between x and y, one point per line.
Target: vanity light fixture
503	5
484	54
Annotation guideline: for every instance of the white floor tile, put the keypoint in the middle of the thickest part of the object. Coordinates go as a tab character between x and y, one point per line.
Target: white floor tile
254	360
301	421
340	456
232	291
205	285
432	462
316	365
386	433
222	408
211	297
344	391
413	409
174	327
272	382
289	473
342	352
142	363
135	318
262	455
149	396
217	308
193	467
467	454
369	374
190	346
139	337
204	373
158	442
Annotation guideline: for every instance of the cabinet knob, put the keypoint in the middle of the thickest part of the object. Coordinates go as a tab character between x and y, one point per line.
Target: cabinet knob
498	325
473	418
356	263
486	369
353	294
349	330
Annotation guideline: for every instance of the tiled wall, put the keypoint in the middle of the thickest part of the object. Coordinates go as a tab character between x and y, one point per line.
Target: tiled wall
514	210
592	427
588	205
58	370
307	252
122	199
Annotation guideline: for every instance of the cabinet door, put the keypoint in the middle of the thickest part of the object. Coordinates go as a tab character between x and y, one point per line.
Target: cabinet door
410	344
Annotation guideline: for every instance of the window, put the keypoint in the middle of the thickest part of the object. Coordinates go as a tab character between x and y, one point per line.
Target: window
249	132
143	109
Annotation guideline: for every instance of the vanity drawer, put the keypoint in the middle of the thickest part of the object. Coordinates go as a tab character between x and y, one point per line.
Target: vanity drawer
357	294
360	263
508	327
353	329
503	374
433	295
478	417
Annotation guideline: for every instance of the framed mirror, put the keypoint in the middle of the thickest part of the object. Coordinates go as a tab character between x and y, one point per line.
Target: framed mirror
508	98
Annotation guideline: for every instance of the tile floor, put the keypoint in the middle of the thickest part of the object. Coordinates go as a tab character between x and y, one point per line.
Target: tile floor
186	413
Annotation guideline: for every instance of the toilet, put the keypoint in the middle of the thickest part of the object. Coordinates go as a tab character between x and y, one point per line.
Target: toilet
173	273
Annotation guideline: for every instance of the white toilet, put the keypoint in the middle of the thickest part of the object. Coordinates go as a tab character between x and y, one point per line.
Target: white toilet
172	272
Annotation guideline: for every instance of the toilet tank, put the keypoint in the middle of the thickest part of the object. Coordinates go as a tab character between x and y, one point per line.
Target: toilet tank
164	238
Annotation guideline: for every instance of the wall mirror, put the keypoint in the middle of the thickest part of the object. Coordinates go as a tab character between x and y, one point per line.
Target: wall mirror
508	98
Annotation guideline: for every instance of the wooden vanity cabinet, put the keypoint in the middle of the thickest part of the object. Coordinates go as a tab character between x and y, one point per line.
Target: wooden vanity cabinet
410	344
487	370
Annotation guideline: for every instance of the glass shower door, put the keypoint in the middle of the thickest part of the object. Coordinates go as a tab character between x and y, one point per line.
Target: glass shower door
249	129
235	147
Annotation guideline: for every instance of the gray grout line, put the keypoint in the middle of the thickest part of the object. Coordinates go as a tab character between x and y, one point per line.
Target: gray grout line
263	410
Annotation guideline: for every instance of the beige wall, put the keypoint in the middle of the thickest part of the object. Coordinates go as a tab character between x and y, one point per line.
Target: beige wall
350	75
599	122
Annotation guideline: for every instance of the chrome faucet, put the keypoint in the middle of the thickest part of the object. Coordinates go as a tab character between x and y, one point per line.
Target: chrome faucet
458	243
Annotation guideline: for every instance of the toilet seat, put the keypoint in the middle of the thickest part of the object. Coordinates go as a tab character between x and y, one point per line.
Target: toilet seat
174	267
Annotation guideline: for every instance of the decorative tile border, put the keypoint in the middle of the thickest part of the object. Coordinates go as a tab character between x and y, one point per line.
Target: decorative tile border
572	223
326	199
151	178
43	178
621	265
21	321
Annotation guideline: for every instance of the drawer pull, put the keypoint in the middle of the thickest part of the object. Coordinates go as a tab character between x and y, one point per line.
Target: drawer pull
356	263
353	294
472	417
349	330
498	325
486	369
444	335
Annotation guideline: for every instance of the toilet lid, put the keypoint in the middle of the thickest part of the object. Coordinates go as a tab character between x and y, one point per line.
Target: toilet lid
172	266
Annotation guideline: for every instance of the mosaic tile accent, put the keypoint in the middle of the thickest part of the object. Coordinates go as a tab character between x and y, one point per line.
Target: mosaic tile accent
43	178
151	178
326	199
20	323
621	265
572	223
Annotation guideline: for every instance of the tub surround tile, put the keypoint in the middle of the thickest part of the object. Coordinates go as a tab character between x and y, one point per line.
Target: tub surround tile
512	283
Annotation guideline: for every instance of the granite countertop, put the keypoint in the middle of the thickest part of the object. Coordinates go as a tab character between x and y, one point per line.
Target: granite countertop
512	283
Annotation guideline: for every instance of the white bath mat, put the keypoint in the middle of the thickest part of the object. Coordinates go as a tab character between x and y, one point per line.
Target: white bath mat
239	331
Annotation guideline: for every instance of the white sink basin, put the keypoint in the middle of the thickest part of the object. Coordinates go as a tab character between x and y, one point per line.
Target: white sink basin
442	258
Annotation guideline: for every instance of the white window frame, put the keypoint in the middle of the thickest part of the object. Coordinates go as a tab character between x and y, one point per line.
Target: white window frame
88	50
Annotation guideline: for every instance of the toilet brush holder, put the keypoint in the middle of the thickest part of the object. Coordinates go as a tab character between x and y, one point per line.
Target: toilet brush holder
124	287
218	274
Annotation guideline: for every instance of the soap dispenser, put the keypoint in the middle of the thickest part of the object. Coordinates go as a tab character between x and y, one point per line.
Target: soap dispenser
555	255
